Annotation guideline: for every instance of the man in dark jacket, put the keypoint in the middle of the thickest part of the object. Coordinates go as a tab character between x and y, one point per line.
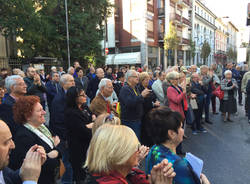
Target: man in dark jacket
53	88
197	89
93	84
34	85
119	82
81	81
16	88
31	167
57	122
132	102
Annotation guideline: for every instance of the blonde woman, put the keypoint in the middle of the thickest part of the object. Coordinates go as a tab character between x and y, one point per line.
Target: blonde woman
113	156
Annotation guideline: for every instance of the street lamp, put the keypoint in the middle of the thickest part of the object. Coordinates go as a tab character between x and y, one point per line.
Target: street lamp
67	30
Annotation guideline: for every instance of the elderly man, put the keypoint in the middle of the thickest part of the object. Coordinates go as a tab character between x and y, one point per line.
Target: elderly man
34	85
100	104
207	80
193	69
131	102
93	84
31	167
157	87
16	88
198	93
53	88
57	124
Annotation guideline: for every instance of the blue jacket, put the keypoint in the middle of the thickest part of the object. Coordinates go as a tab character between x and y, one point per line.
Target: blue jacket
11	177
92	88
57	124
6	114
51	91
131	104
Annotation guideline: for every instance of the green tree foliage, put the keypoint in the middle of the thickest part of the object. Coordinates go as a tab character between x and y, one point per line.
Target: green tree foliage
41	25
231	54
205	51
192	48
171	41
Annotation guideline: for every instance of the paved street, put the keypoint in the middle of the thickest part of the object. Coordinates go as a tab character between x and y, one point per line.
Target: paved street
225	149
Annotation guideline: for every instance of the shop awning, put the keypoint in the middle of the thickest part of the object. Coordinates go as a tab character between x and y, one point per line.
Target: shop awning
124	58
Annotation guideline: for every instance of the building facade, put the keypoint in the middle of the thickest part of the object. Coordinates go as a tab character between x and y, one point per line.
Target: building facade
221	36
132	33
203	30
135	32
232	39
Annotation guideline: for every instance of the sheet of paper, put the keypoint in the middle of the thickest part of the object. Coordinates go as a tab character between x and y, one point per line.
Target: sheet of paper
195	162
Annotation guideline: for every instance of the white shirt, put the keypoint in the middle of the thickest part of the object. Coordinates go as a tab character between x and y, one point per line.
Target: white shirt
1	178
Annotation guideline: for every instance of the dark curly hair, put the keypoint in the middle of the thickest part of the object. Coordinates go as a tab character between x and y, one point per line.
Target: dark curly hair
159	121
23	108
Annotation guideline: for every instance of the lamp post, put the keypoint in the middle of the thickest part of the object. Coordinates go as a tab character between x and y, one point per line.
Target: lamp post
67	30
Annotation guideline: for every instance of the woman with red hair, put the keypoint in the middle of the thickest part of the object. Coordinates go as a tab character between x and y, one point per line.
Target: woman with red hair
30	114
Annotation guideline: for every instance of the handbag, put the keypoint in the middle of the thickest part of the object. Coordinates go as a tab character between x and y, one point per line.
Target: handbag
219	93
190	116
193	104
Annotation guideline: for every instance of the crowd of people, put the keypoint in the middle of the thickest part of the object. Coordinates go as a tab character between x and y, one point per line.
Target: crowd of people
103	122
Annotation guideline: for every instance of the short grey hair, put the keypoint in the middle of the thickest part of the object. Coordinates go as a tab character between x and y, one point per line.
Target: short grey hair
70	68
103	83
128	74
64	79
11	80
172	75
227	72
204	66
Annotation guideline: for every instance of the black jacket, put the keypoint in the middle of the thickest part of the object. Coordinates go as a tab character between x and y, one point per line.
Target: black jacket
24	140
92	88
197	89
57	123
11	177
33	89
131	104
148	101
82	83
78	138
117	87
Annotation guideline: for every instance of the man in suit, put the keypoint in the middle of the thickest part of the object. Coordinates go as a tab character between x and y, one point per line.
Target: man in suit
81	81
93	84
53	88
100	104
57	123
16	88
31	167
34	85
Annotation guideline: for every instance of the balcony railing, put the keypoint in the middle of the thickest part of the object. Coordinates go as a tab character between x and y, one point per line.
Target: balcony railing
161	11
185	41
186	21
175	17
185	2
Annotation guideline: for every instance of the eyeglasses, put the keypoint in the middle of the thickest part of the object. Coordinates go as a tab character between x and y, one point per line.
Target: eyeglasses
134	76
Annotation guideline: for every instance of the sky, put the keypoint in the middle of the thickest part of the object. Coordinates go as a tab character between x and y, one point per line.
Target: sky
236	10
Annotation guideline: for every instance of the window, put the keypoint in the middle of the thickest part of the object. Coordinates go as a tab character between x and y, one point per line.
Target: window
198	10
150	25
195	8
202	13
205	15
